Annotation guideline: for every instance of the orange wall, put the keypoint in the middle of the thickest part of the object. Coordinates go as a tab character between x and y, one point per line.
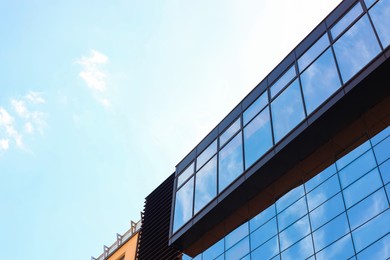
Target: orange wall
128	249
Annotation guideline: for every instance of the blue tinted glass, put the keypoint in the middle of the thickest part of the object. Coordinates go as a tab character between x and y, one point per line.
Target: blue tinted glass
239	250
380	15
221	257
312	53
388	191
261	218
348	158
319	81
326	211
379	250
215	250
323	192
198	257
292	213
382	150
255	108
267	250
205	184
319	178
368	208
233	128
380	136
263	233
236	235
294	233
230	162
357	168
362	188
183	204
287	111
276	257
385	171
329	233
356	48
344	22
289	198
186	257
369	3
371	231
185	174
283	81
247	257
257	137
206	155
300	250
341	249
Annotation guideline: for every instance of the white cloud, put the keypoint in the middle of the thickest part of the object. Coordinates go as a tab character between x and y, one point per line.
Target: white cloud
29	128
34	119
35	98
20	108
7	123
4	144
93	76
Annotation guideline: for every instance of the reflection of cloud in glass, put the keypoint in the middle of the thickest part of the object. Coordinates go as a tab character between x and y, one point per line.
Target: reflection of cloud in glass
380	15
294	232
206	184
185	174
255	108
289	198
206	154
183	205
229	132
346	20
292	213
342	249
312	53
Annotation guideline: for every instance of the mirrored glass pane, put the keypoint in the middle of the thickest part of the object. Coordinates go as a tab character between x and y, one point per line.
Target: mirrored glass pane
320	178
215	250
380	136
385	171
319	81
255	108
382	150
267	250
257	137
289	198
239	250
369	3
344	22
314	51
380	15
233	128
292	213
283	81
323	192
186	257
206	184
185	175
230	162
341	249
262	217
287	110
183	204
263	233
356	48
206	155
301	250
379	250
236	235
294	233
326	211
348	158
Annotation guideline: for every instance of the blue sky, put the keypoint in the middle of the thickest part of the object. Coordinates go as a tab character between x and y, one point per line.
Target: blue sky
101	99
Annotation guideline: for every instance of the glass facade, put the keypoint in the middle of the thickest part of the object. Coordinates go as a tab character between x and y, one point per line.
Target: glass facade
341	213
316	75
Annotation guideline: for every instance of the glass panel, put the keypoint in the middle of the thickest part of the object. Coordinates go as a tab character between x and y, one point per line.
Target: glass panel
289	198
346	159
257	137
233	128
183	204
380	136
287	111
319	178
323	192
261	218
239	250
382	150
292	213
221	257
368	208
206	184
362	188
327	211
300	250
214	251
344	22
369	3
206	155
329	233
255	108
380	15
379	250
283	81
357	168
320	81
312	53
264	233
342	249
356	48
198	257
294	233
385	171
185	175
388	191
267	250
236	235
185	257
371	231
230	162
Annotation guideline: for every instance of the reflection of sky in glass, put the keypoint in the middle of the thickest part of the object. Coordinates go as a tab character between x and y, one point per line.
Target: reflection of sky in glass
323	192
233	128
294	232
292	213
380	136
236	235
382	150
255	108
385	171
369	3
300	250
183	204
267	250
239	250
327	211
257	137
214	251
356	48
289	198
346	159
319	178
380	15
262	217
206	154
341	249
344	22
263	233
283	81
320	81
313	52
206	184
185	174
379	250
230	162
287	110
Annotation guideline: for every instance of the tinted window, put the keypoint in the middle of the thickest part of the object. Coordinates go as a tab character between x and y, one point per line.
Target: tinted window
183	204
233	128
344	22
206	184
283	81
255	108
314	51
380	15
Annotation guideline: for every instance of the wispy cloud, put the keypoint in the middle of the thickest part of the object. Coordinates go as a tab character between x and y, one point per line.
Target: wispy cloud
93	75
7	123
4	144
